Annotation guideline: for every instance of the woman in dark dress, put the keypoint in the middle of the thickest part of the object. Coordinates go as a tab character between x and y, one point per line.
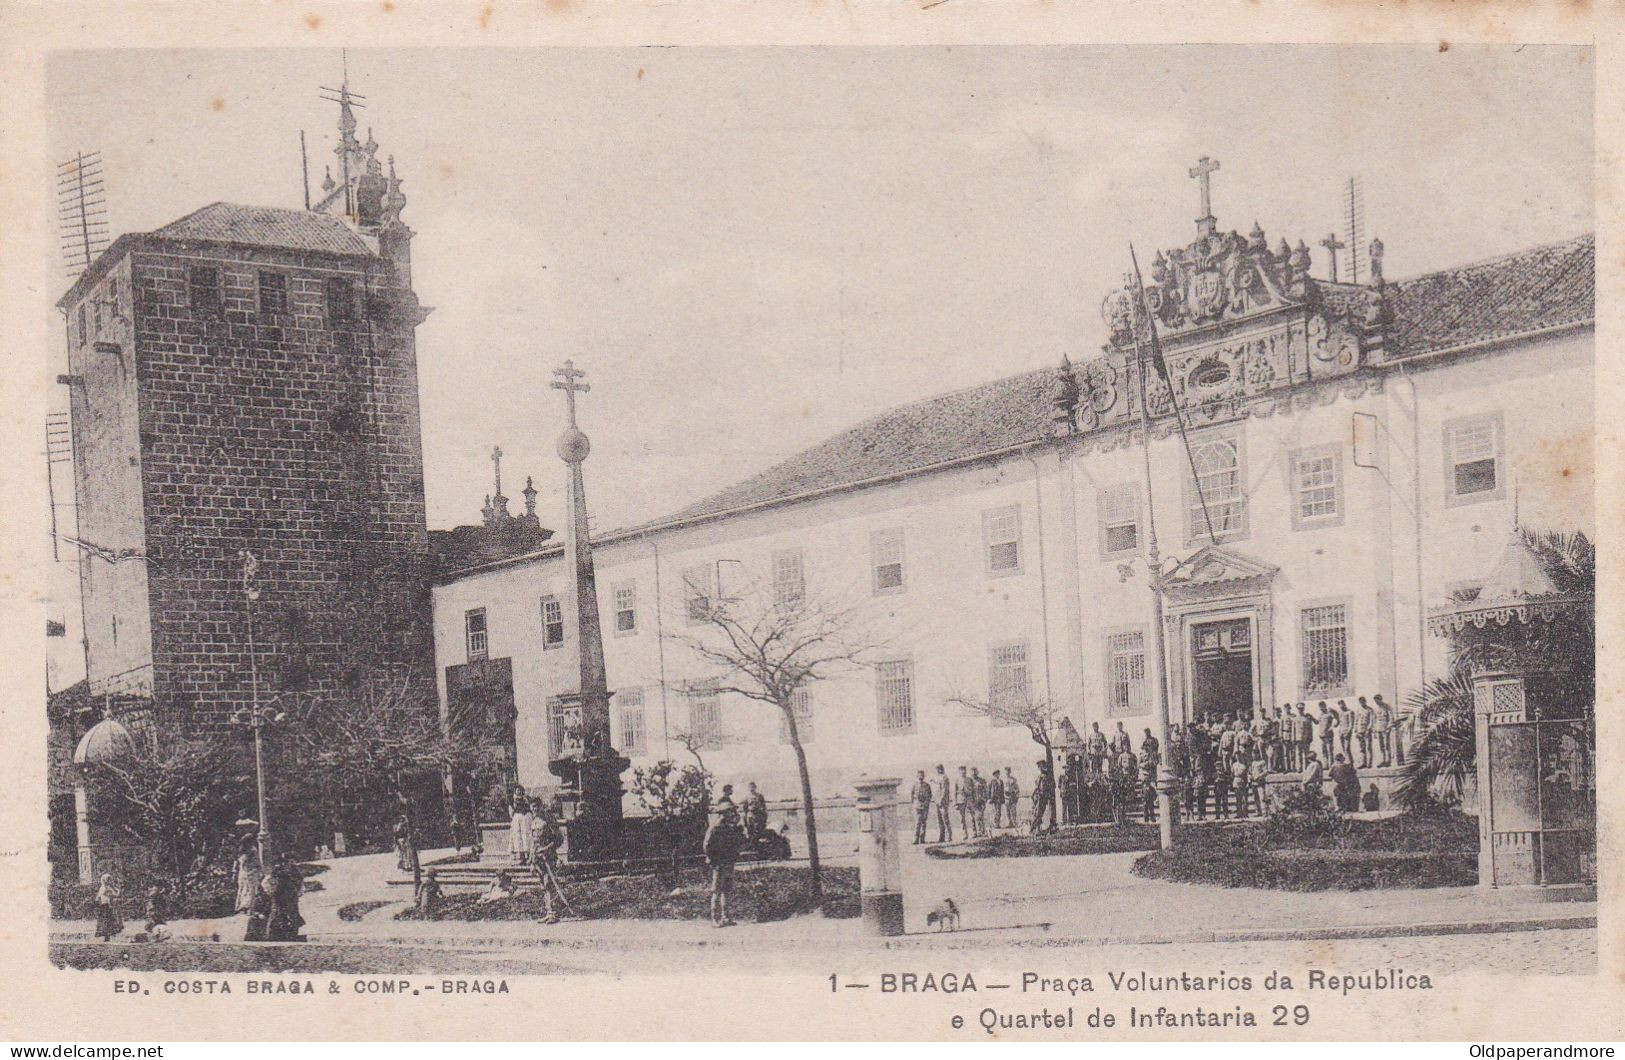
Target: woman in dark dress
285	883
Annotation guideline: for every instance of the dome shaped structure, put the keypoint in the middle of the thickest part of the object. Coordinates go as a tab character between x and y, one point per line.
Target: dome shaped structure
107	741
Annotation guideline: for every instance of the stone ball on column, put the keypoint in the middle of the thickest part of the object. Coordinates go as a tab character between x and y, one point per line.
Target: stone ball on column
573	446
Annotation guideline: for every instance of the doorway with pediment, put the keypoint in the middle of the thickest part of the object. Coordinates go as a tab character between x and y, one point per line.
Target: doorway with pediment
1219	617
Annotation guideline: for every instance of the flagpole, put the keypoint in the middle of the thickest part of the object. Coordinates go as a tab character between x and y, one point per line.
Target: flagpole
1165	780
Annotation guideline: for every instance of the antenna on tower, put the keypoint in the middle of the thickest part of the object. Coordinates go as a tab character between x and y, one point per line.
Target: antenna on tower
81	210
304	167
1354	204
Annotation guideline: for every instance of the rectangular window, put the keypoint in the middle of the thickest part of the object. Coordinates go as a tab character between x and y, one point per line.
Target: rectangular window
1220	482
886	557
84	330
1001	534
1317	487
475	633
626	609
1125	673
1325	649
789	576
203	289
698	592
552	622
273	293
894	691
1473	447
100	316
340	300
1008	687
801	703
1120	520
704	716
629	704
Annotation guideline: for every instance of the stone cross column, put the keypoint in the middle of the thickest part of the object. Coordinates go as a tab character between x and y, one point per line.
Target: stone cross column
880	871
587	763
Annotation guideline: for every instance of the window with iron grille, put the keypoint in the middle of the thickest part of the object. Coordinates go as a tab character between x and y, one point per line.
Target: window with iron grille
698	592
626	609
1120	520
552	622
1325	648
563	728
1317	487
203	290
704	715
801	703
273	293
1219	480
1008	685
789	576
1001	533
629	704
1473	458
1125	673
475	633
894	690
886	556
340	300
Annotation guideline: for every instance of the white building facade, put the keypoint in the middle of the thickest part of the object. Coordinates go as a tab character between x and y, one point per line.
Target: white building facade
1362	451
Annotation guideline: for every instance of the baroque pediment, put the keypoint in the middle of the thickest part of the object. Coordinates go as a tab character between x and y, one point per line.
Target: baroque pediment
1214	570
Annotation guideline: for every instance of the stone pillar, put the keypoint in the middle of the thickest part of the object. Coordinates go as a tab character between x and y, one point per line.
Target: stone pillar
1509	822
880	872
81	817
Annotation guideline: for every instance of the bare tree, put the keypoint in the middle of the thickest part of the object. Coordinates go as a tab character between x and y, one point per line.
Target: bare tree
769	643
382	738
1017	706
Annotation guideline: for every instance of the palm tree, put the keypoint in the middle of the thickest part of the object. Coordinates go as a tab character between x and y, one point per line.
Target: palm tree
1444	753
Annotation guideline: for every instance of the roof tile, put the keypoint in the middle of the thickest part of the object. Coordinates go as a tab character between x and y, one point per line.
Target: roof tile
267	226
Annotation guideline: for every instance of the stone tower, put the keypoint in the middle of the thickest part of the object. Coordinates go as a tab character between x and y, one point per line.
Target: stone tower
244	379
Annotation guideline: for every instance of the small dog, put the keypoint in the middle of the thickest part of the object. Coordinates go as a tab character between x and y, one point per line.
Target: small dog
945	917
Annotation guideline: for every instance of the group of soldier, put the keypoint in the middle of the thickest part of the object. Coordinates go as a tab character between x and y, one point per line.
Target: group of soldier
980	803
1219	765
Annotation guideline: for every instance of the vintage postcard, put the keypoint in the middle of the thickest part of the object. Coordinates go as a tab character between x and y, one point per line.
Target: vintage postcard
899	523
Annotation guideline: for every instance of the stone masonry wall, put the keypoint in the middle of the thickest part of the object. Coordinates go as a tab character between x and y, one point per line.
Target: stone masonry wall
294	435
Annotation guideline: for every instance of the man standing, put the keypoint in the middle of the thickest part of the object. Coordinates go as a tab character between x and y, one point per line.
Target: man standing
1012	793
1149	762
942	795
1121	741
1069	790
1257	774
721	847
1305	731
1345	729
978	803
964	791
1326	730
995	794
921	797
755	814
1362	726
1043	798
1097	748
1382	724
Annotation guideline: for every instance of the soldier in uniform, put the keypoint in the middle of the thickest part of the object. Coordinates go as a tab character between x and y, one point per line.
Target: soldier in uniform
942	795
921	798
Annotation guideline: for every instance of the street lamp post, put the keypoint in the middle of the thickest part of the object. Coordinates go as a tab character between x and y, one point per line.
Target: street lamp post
256	718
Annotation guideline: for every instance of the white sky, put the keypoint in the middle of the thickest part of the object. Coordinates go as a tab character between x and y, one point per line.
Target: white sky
750	249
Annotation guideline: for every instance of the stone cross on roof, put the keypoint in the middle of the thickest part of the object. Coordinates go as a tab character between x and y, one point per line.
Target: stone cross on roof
1203	172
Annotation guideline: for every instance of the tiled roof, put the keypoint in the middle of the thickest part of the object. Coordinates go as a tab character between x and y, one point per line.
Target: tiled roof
1536	289
266	226
967	423
1529	291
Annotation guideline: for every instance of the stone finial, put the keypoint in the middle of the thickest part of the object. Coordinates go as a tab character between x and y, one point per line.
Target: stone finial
1255	238
1300	258
1374	259
1283	252
328	183
1064	396
530	496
